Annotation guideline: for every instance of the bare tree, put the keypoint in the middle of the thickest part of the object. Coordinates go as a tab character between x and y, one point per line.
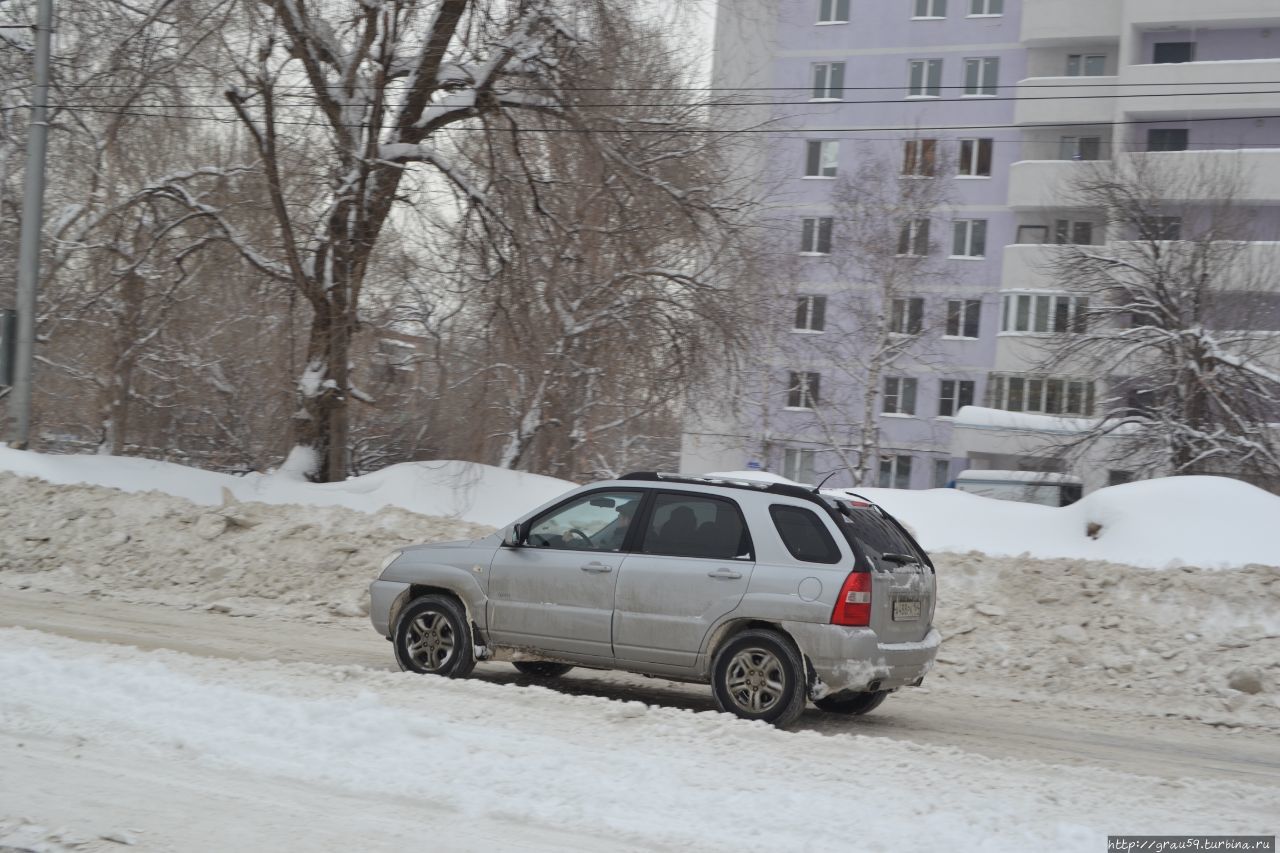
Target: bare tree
1182	311
602	300
878	254
383	85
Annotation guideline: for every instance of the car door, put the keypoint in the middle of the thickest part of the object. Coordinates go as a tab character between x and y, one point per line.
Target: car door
690	567
555	591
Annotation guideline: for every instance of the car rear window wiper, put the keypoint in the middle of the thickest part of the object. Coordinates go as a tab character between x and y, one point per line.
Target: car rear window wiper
900	559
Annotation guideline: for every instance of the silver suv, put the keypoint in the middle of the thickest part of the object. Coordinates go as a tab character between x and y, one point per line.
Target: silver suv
772	593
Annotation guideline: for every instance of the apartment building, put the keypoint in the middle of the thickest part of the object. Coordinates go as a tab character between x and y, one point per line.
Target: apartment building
1001	99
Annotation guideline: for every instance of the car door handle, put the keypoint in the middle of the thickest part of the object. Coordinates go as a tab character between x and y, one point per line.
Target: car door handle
724	574
597	568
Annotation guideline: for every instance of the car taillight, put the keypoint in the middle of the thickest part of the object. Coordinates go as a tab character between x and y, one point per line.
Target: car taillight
853	607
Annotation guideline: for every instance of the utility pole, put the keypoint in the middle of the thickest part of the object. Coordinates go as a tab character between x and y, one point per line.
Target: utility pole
32	226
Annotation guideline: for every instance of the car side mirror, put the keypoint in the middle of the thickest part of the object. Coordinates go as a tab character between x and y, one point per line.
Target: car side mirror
514	536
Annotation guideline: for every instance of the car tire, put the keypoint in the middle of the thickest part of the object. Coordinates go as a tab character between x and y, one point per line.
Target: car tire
541	668
858	703
433	637
759	675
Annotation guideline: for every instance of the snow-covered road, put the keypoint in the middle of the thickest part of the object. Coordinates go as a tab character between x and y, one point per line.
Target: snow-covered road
267	734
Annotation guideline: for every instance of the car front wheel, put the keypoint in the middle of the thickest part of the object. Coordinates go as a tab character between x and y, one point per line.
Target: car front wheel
758	675
858	703
433	636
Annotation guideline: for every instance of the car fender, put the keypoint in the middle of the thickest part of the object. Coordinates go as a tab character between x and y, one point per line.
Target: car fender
442	577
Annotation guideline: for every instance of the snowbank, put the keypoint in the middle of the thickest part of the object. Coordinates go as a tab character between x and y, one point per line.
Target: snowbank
1210	522
468	491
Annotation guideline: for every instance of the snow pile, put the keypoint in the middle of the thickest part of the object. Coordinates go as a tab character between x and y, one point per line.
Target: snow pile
477	493
1210	522
623	771
1197	643
1193	643
245	559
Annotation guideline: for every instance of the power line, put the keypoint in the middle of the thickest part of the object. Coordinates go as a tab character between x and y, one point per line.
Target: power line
805	88
976	99
797	133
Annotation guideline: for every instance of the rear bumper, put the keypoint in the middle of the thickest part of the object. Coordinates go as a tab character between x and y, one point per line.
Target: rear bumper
854	660
382	596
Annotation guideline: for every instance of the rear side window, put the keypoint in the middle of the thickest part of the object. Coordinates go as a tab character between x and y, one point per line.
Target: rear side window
687	525
876	534
804	534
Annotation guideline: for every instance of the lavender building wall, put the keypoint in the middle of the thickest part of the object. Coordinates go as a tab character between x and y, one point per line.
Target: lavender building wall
1066	70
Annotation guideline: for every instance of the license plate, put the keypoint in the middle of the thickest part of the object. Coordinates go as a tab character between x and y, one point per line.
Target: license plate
906	609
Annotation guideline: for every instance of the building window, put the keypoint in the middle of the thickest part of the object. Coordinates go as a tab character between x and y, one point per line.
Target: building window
1032	235
962	317
1119	478
895	472
1167	139
986	7
1041	312
981	75
920	158
969	238
975	158
811	313
1081	148
1172	52
815	235
821	158
833	11
828	81
798	465
913	239
1086	65
955	395
1068	232
930	9
899	396
1046	395
925	78
906	316
1160	228
802	393
941	473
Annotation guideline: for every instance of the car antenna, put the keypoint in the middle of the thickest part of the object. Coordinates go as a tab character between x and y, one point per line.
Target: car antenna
818	487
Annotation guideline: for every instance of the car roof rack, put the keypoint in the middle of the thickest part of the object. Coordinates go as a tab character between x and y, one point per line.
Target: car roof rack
730	483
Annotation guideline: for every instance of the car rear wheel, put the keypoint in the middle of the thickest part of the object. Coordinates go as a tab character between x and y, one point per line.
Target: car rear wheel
542	668
758	675
433	637
858	703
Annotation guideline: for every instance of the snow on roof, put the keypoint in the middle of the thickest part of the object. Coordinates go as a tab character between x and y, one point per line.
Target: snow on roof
980	417
759	476
992	476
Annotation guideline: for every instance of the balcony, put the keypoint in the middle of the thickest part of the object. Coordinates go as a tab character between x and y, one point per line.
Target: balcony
1058	22
1204	89
1066	100
1040	183
1029	267
1189	14
1254	175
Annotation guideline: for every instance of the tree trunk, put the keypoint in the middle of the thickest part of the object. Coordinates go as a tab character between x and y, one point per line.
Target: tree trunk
321	421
